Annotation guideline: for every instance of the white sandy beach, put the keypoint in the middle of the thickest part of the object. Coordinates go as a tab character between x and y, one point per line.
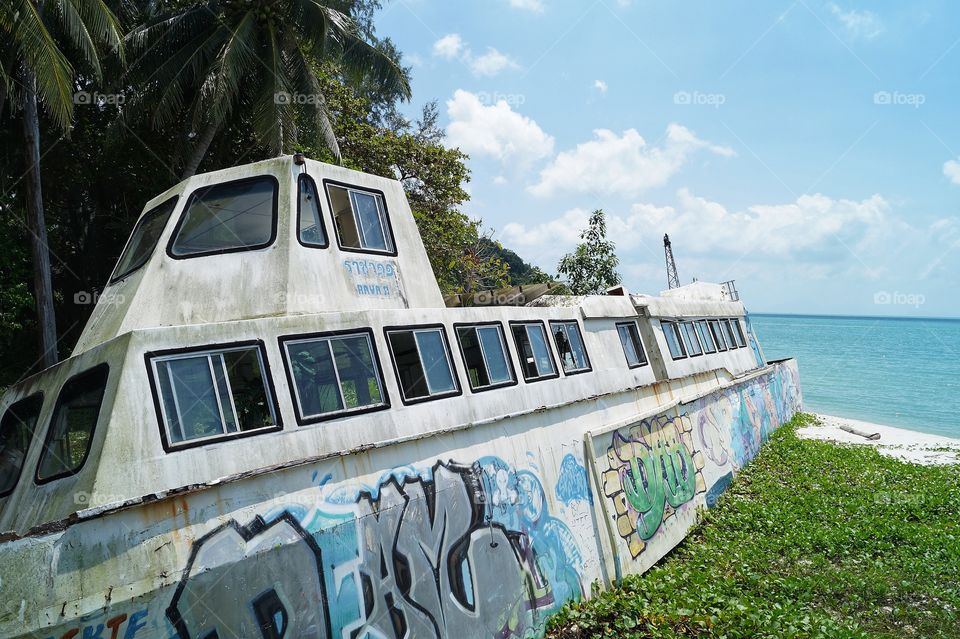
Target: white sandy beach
903	444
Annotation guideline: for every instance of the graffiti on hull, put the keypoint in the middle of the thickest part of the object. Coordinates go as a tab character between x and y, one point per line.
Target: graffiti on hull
449	551
260	580
653	469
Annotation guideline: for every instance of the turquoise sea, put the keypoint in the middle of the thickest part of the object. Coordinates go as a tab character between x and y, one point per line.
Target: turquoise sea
901	372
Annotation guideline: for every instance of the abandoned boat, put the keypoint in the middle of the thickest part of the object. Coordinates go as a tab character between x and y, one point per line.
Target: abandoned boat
273	426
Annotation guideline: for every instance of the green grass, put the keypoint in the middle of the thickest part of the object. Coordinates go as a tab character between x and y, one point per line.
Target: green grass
810	540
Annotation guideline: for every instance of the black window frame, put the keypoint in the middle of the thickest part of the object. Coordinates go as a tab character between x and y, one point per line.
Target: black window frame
638	341
201	190
729	334
586	355
675	327
722	346
207	441
99	369
327	183
740	335
686	334
323	223
547	341
283	340
704	325
114	278
506	352
396	369
35	398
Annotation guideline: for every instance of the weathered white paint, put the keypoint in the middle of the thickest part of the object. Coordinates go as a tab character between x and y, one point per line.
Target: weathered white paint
138	532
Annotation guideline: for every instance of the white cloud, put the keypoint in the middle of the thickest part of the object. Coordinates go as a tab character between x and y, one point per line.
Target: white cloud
621	164
500	180
817	228
453	47
495	131
561	233
858	24
536	6
491	63
600	86
951	168
449	46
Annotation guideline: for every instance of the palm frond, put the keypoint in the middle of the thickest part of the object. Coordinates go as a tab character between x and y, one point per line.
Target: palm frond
40	53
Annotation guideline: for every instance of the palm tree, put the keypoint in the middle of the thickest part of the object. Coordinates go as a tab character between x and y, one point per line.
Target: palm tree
34	68
221	58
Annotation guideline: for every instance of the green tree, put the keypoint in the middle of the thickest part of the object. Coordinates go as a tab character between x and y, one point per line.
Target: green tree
37	37
217	60
592	267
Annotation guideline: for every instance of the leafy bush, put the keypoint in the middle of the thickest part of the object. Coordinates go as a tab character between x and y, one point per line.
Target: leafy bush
811	540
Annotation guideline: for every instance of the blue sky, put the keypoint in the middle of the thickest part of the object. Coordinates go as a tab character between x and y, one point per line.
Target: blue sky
808	149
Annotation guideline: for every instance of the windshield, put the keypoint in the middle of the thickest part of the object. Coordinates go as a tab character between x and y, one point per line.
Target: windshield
144	239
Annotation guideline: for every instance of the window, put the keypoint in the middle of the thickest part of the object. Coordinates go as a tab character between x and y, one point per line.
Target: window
570	348
535	358
706	339
144	239
70	433
671	332
738	333
312	232
233	216
717	333
422	362
360	218
334	375
484	352
632	346
728	334
213	394
690	339
16	431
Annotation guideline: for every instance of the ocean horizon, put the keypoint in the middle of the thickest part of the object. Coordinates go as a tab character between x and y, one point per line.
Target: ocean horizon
895	371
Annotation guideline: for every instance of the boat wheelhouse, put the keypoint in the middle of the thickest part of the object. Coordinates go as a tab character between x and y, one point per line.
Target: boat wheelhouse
273	426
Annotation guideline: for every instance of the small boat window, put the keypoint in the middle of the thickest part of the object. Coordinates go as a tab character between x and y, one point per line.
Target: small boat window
705	337
535	358
228	217
144	239
690	339
632	346
70	433
738	333
422	362
334	375
717	333
570	348
16	431
213	394
361	219
671	332
312	232
728	333
484	352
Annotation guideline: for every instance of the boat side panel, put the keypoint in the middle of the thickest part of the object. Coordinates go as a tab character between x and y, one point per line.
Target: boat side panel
482	532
